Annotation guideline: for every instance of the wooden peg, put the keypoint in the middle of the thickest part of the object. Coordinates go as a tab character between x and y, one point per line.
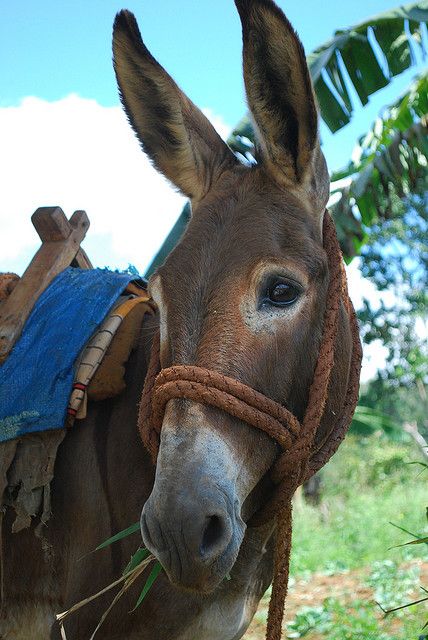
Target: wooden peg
61	240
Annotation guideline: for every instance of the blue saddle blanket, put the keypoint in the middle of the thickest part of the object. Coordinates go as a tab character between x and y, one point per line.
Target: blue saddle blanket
37	377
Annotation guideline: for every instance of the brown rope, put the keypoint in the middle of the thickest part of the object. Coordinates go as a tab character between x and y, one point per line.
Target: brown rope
299	458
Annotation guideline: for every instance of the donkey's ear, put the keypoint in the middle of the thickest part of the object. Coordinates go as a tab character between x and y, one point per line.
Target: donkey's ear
279	90
175	134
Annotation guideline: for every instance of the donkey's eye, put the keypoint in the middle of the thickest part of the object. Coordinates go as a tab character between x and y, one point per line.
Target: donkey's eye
281	293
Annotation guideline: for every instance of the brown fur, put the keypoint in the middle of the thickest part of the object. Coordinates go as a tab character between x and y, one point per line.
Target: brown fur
247	223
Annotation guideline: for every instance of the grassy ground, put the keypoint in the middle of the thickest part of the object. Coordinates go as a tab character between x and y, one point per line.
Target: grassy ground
342	561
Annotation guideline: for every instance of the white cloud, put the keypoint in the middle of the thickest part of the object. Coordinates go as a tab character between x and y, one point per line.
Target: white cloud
79	155
374	355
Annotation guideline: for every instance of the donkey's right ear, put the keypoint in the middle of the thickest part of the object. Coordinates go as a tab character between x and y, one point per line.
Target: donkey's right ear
174	133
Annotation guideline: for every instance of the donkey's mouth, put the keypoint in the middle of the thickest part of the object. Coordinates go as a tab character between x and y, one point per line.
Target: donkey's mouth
205	581
194	567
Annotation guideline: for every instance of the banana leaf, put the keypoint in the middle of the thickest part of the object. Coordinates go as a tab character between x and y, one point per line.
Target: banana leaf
390	161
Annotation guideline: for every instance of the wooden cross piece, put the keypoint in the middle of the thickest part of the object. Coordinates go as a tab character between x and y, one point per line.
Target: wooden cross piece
60	248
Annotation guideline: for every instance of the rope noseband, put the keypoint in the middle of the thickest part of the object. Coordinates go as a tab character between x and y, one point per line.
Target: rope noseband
299	458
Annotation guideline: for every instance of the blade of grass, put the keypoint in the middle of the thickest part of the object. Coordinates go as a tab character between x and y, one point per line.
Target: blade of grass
406	544
128	583
82	603
422	464
403	606
149	582
78	605
119	536
141	554
397	526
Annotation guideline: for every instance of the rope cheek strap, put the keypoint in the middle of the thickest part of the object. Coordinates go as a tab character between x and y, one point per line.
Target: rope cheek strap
299	458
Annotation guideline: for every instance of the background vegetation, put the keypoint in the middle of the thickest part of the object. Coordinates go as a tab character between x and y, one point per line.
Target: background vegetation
345	564
344	559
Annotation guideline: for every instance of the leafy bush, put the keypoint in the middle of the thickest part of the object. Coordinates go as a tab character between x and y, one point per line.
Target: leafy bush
366	485
392	584
366	464
308	619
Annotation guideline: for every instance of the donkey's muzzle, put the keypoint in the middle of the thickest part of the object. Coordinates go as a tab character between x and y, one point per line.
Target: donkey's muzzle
196	535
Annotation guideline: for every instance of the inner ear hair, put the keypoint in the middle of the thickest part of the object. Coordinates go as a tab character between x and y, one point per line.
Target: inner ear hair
174	133
279	89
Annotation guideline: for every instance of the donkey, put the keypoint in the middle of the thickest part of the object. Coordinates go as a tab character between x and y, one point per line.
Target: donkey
244	294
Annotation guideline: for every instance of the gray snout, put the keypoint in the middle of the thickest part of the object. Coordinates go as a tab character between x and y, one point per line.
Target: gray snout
195	532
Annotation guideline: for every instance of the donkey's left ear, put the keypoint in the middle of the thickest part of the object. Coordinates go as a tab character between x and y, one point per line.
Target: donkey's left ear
175	134
281	97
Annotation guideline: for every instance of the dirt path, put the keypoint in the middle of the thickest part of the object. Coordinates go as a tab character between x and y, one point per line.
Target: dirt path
345	587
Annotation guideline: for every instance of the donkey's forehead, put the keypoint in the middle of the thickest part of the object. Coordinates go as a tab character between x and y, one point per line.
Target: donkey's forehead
245	221
253	193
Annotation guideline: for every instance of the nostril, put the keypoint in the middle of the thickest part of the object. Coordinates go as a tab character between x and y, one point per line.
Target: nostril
213	535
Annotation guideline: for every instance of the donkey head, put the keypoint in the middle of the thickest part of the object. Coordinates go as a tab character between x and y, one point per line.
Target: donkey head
243	293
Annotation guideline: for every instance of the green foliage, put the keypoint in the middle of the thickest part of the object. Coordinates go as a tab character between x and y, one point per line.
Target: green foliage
156	569
389	165
398	117
133	528
367	484
369	463
136	560
309	619
392	585
356	621
141	554
395	260
338	621
367	420
393	398
351	59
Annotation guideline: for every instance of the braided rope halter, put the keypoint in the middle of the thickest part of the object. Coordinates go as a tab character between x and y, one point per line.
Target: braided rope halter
300	458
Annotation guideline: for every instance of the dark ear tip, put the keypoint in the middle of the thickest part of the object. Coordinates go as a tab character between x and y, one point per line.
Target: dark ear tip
253	12
125	21
246	7
242	6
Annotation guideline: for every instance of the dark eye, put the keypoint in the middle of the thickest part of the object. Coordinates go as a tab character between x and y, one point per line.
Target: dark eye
282	293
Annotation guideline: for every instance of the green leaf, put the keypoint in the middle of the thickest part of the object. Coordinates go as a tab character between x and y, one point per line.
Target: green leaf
332	112
397	526
358	53
418	541
334	72
389	161
141	554
157	568
395	46
119	536
363	68
422	464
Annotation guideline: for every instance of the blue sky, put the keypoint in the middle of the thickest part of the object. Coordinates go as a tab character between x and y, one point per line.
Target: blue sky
65	141
50	49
